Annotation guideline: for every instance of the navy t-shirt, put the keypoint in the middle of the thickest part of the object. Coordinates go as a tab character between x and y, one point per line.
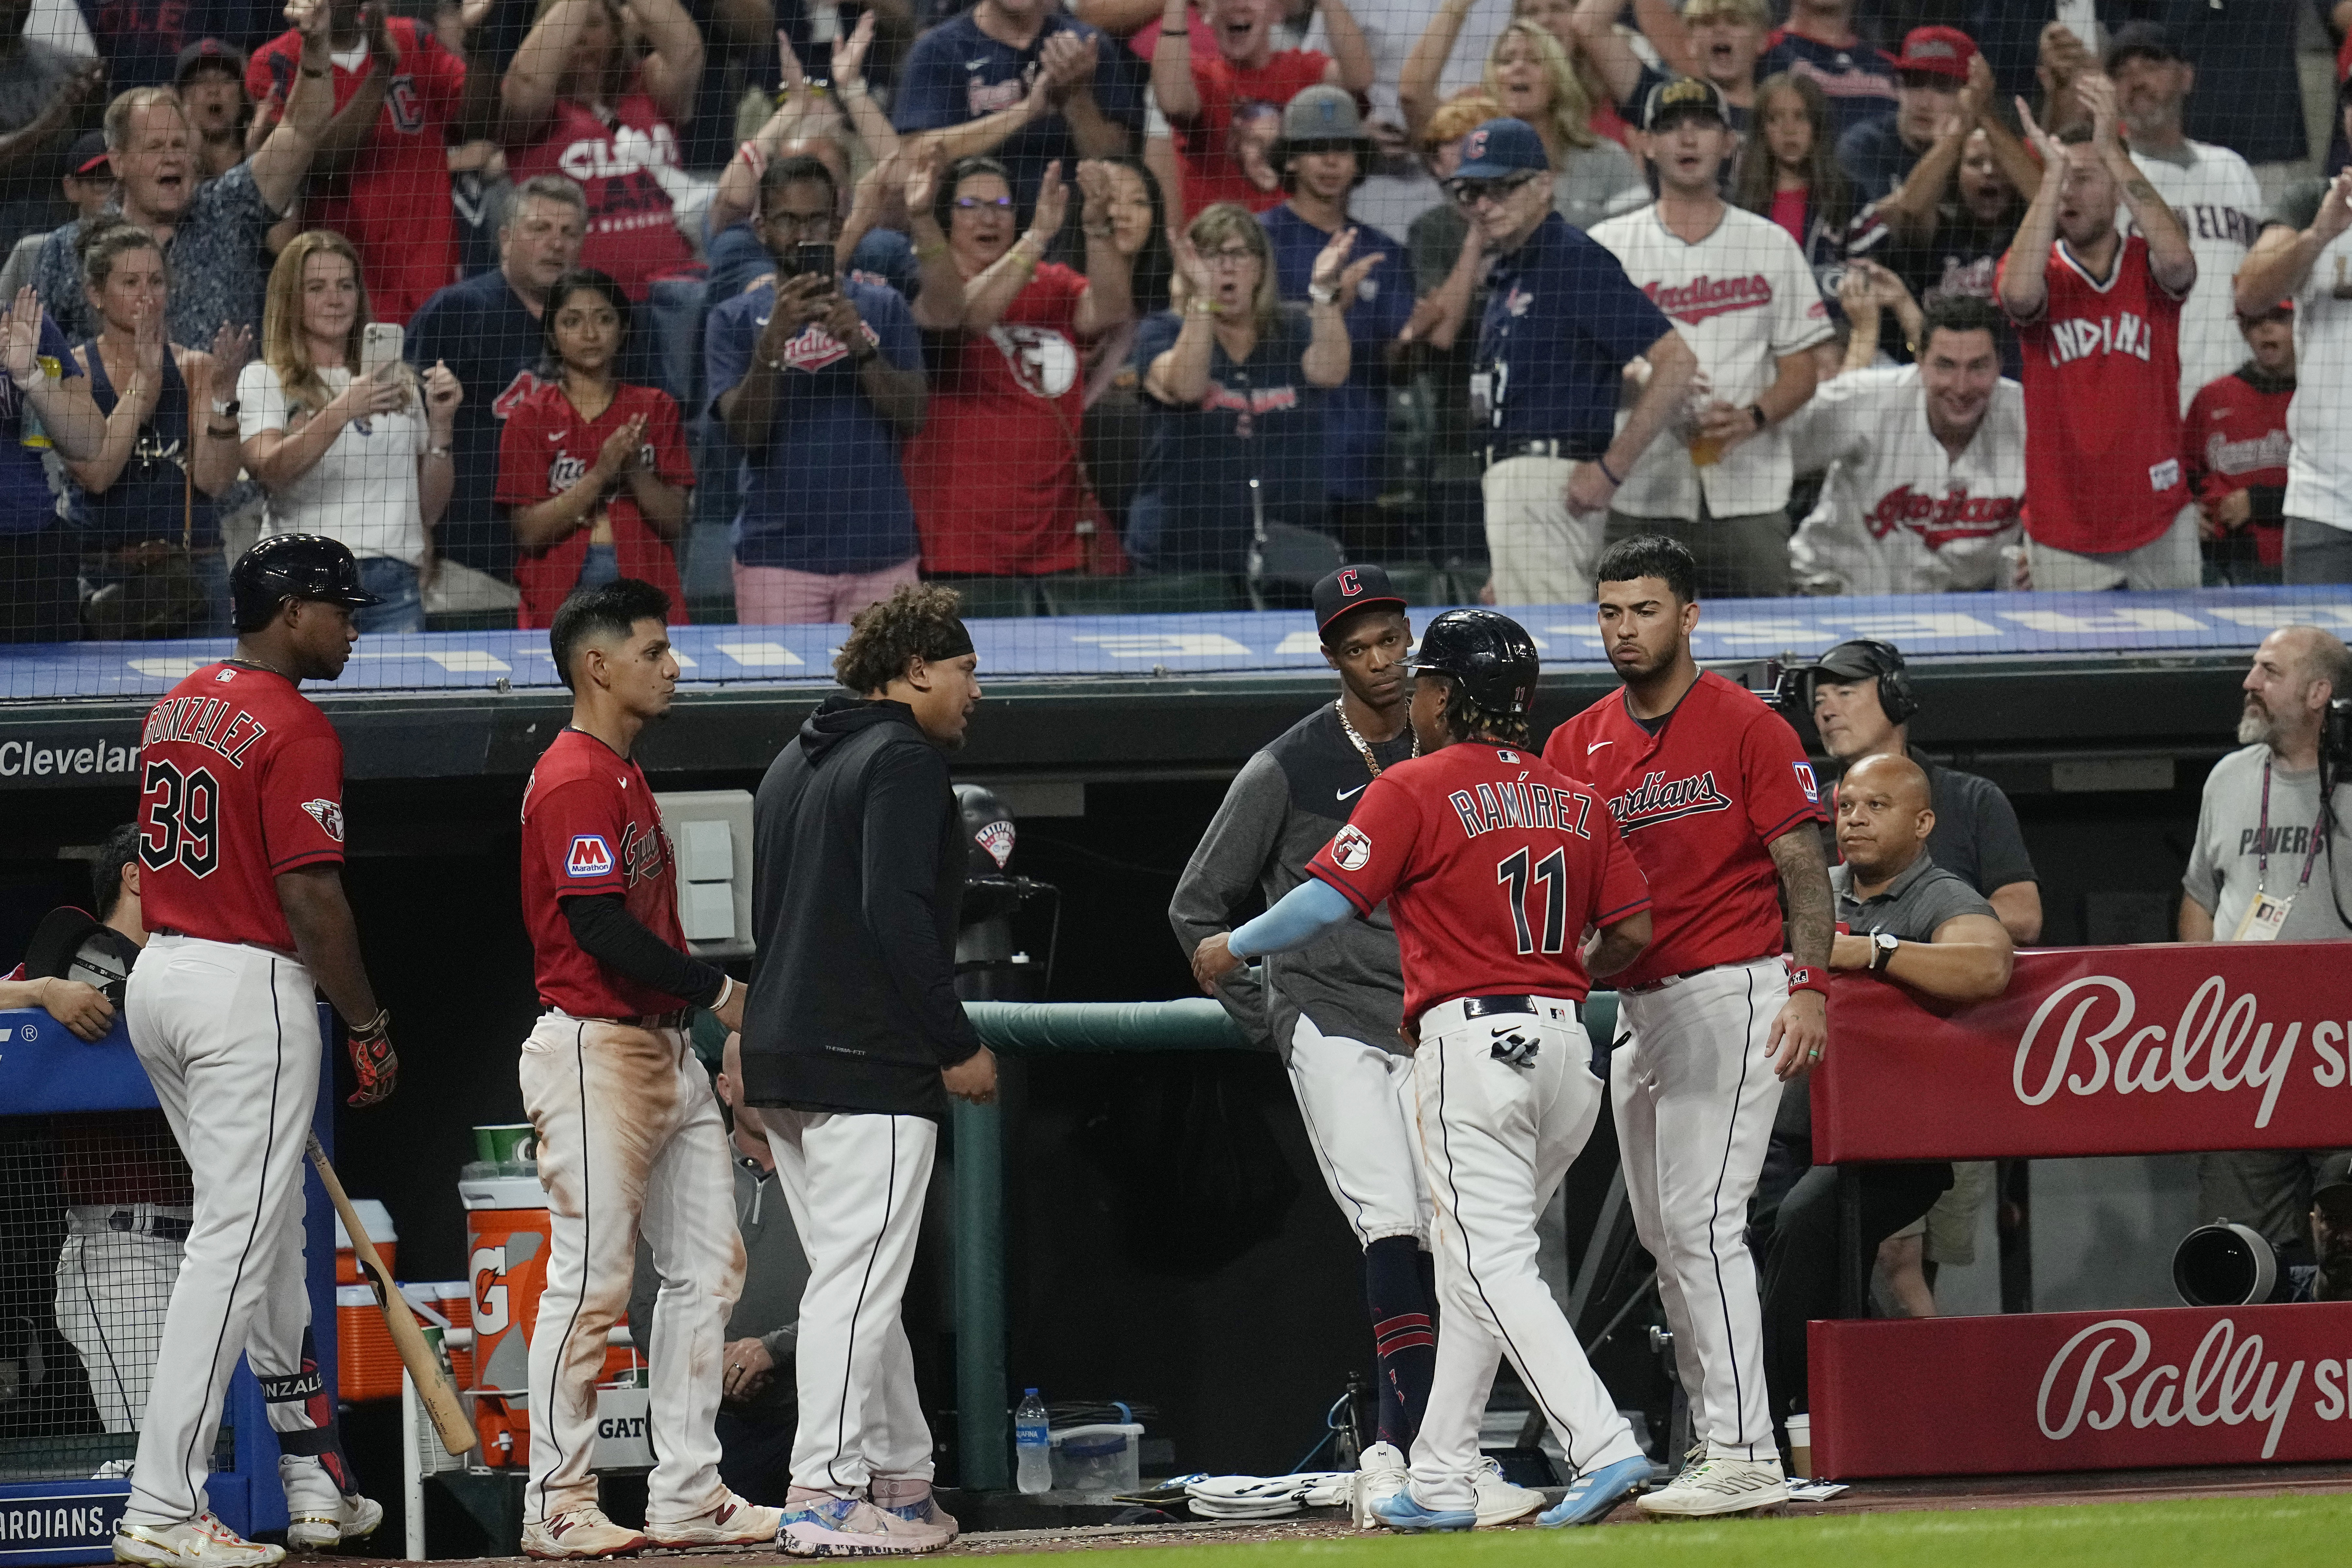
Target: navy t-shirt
490	339
1875	158
827	495
955	72
1355	415
1859	82
1260	419
1561	320
26	503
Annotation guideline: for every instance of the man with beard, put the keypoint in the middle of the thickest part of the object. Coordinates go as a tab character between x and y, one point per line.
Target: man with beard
2264	870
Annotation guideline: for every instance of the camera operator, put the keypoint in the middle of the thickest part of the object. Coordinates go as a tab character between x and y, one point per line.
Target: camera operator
2264	870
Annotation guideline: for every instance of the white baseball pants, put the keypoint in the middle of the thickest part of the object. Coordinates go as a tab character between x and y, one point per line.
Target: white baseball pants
229	1036
630	1137
1543	554
1357	1102
1498	1138
1694	1096
114	1287
855	1183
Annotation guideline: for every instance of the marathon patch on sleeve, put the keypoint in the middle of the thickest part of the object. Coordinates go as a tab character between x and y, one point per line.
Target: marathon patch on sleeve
1806	781
329	814
1352	849
590	857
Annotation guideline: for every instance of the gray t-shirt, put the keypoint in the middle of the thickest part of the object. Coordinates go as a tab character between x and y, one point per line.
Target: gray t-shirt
1976	836
2226	865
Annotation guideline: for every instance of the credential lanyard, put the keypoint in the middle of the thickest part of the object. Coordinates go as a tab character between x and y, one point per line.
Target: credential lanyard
2263	840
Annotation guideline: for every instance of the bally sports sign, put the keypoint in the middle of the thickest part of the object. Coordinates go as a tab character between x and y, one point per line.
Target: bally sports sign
2082	1391
2118	1050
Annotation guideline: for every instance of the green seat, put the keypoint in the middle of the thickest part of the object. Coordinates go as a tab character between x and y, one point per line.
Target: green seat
1144	593
1421	583
994	598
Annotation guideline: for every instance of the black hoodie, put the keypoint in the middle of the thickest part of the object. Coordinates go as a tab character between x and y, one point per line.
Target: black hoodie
856	882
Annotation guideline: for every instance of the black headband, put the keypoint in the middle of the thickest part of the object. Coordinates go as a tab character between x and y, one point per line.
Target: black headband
954	642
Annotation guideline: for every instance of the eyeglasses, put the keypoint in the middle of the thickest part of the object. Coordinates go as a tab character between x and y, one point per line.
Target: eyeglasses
1471	193
800	223
1232	256
983	204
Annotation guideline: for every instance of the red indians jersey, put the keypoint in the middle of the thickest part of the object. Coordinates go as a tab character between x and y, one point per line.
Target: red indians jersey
2234	437
1219	150
632	227
240	779
1493	865
590	826
545	449
1698	802
2102	405
394	203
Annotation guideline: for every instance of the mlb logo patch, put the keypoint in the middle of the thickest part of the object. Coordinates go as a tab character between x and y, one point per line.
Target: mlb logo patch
1352	849
1806	781
590	857
224	674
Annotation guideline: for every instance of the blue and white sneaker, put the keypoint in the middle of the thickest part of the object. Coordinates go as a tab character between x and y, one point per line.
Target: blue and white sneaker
1400	1512
927	1515
1596	1492
851	1527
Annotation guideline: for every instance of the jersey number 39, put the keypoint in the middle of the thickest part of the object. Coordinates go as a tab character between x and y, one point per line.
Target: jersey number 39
179	818
1551	875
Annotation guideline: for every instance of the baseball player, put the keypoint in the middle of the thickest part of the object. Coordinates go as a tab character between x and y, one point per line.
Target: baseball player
240	848
629	1132
1332	1009
1714	795
1493	866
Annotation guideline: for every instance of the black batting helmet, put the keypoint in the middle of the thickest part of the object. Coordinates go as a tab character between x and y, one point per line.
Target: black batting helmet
1490	655
293	566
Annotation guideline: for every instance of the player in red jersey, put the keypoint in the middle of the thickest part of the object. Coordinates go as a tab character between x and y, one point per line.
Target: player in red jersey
241	851
1714	795
2098	322
395	101
628	1129
1493	867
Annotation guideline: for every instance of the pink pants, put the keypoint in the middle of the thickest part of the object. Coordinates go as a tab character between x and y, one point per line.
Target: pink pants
777	595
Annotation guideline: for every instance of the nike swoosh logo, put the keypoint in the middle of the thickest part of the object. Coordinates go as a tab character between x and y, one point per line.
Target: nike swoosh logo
1350	794
1597	745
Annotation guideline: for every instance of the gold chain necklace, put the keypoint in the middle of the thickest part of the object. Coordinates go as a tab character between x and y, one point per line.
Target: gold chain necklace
1338	707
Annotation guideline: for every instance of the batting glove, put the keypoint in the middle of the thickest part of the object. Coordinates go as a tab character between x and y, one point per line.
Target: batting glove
374	1060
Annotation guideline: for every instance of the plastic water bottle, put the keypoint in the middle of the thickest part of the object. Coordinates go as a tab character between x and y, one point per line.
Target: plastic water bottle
1032	1445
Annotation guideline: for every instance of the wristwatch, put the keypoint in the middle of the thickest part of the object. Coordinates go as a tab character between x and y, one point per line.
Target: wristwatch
1755	412
1322	296
1883	944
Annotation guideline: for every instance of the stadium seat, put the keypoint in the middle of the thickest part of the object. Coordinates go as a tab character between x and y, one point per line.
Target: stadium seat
994	598
1421	583
1144	593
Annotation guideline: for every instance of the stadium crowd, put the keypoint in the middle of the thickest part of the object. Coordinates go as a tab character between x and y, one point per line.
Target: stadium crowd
1855	300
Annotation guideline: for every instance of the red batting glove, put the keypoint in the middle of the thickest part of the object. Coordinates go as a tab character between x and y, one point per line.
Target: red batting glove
373	1061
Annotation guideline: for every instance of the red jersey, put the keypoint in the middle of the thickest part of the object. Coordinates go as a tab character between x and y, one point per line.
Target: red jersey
632	227
2234	437
395	203
590	826
1699	802
544	450
994	474
1241	115
1493	865
240	781
2102	405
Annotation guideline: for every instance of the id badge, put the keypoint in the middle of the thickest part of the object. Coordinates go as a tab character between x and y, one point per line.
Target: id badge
2266	916
1482	396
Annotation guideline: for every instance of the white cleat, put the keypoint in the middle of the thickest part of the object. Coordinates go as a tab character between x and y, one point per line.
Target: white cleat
1501	1502
1717	1486
320	1517
578	1534
203	1541
1380	1475
734	1523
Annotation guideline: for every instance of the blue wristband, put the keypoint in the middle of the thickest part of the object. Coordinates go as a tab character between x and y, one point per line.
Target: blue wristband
1601	463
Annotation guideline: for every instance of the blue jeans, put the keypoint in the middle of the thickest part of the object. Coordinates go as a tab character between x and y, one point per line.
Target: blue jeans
599	566
393	582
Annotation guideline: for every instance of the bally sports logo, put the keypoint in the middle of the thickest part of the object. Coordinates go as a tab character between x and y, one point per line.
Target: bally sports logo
2101	1378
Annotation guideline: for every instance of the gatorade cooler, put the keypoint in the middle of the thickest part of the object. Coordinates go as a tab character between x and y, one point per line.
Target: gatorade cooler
446	1304
506	1239
378	1220
366	1364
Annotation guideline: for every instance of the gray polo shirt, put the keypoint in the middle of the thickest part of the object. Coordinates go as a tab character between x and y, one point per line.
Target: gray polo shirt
1920	898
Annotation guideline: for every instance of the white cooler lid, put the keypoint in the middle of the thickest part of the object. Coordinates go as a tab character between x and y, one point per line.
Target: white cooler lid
372	1215
502	1192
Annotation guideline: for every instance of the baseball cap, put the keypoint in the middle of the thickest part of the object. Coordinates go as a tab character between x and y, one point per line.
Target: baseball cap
1937	51
2334	1200
1682	95
209	52
1501	148
2148	39
1861	660
1322	113
1352	588
86	158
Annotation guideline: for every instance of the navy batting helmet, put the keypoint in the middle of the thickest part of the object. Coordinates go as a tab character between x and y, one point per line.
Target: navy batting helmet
1490	655
293	566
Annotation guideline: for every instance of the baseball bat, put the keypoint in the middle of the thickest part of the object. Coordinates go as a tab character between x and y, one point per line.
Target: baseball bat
457	1433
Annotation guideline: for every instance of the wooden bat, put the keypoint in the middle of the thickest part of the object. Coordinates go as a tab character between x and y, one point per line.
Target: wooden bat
457	1433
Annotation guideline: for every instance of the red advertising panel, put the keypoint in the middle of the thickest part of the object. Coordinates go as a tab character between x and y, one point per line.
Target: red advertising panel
2081	1391
2097	1050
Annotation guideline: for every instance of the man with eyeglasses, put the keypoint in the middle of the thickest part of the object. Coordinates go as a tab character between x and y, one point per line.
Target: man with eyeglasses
818	379
1562	322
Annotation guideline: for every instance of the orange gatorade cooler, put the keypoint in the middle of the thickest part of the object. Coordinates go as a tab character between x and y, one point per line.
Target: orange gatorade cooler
367	1365
378	1221
506	1239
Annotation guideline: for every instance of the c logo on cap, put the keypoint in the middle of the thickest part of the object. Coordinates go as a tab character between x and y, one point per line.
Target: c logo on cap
1476	147
1349	584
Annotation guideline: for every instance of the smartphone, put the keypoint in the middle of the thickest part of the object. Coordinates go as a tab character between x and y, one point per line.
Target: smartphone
379	345
811	255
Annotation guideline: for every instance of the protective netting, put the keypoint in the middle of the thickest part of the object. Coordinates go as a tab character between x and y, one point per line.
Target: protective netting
1111	309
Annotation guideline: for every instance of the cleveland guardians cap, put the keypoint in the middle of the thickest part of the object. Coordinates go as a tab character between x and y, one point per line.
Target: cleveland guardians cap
86	159
1937	51
1501	148
209	52
1353	588
1681	95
